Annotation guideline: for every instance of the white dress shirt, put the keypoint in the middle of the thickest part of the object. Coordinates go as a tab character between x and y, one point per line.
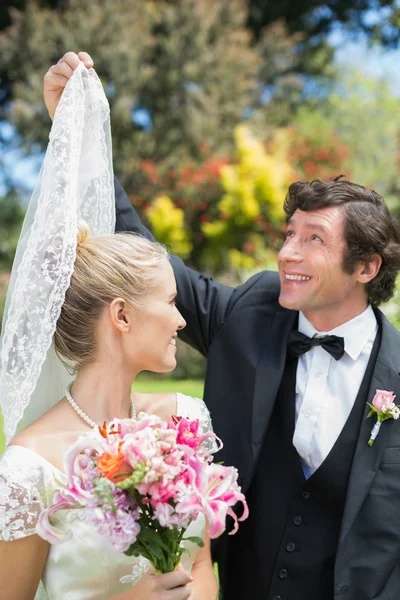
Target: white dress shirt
326	389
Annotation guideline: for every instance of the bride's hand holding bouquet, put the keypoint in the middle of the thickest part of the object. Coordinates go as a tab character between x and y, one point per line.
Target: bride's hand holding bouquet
171	586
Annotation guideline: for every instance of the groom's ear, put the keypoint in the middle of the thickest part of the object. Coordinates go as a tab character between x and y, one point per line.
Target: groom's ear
369	270
120	316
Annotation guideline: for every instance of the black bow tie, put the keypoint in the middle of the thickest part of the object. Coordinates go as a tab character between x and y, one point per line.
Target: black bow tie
298	344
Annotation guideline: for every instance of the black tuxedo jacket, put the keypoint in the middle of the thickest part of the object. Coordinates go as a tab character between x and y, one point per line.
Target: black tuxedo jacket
243	332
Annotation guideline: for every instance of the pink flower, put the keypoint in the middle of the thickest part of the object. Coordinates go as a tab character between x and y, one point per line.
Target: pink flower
384	408
120	528
167	517
140	446
383	400
77	468
188	433
44	528
145	421
162	492
215	493
171	481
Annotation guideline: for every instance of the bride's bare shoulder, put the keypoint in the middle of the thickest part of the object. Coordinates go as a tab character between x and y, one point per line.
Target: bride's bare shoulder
50	435
162	404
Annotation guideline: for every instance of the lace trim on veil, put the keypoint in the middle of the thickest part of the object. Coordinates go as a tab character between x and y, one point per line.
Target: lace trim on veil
76	182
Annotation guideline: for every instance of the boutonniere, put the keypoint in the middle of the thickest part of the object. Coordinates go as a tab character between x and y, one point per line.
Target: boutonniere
384	407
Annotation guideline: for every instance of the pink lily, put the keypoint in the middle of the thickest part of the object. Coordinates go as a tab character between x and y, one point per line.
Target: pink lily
188	432
75	465
217	492
49	532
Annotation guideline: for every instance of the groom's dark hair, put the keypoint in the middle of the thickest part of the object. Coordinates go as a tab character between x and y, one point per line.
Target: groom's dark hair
369	228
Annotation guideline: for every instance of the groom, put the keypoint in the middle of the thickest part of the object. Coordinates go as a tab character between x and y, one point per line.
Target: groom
290	403
324	505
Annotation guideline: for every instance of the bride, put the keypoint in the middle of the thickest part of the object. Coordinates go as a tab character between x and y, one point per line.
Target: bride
101	304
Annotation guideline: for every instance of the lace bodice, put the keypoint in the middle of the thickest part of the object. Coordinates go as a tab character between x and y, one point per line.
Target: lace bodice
85	567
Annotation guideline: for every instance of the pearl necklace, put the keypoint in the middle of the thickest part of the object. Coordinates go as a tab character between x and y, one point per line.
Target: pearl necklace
85	417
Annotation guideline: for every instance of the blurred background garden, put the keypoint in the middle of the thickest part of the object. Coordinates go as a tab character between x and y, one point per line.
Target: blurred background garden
216	107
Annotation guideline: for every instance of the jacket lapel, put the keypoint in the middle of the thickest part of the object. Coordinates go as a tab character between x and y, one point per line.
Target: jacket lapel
367	458
269	374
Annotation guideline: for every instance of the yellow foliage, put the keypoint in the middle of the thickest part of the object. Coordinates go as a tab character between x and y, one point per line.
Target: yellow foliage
215	229
259	256
167	224
240	260
254	188
258	181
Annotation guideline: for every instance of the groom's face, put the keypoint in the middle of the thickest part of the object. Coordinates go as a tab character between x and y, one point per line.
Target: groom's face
311	269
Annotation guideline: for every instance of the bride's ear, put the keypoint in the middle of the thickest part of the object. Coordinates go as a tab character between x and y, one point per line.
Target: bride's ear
120	315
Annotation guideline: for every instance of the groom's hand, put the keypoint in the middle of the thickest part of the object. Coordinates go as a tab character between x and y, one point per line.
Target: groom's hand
58	75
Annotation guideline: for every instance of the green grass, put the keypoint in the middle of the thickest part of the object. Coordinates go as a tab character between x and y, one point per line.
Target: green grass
189	387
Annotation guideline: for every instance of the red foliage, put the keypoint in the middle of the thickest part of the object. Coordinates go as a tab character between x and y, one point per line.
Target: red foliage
197	190
194	188
311	160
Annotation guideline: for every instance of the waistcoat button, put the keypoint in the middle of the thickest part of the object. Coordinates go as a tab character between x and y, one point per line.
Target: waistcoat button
283	574
290	547
306	495
298	520
277	598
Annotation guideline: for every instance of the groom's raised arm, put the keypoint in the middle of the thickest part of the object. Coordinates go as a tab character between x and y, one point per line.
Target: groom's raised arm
203	302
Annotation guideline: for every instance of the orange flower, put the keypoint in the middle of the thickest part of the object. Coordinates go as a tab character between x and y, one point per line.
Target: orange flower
103	430
113	431
114	466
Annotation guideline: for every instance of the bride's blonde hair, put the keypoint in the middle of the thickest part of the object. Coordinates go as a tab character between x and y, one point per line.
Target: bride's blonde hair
106	267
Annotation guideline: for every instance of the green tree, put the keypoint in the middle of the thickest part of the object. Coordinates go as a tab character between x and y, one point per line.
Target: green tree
358	124
316	149
365	113
11	217
189	65
392	308
317	18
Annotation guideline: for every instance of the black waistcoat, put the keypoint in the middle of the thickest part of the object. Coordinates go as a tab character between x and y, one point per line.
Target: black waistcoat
287	546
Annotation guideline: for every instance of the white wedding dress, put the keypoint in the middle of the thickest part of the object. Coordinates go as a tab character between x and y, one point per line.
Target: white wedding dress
86	566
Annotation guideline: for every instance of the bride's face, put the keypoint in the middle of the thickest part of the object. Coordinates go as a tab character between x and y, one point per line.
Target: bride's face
151	341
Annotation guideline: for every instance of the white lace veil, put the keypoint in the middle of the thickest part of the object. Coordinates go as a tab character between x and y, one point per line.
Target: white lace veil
75	182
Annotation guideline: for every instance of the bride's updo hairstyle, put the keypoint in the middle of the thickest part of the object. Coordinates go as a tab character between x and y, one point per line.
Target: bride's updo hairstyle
106	267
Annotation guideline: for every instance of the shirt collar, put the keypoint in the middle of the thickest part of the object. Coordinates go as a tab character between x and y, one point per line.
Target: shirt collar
355	332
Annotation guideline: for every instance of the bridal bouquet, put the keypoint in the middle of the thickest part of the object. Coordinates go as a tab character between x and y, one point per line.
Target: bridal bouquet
141	482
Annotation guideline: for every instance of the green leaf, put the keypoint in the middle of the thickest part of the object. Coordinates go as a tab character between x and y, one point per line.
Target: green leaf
385	417
132	550
195	540
157	551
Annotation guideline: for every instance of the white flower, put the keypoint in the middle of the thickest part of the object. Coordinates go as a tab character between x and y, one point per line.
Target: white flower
395	412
